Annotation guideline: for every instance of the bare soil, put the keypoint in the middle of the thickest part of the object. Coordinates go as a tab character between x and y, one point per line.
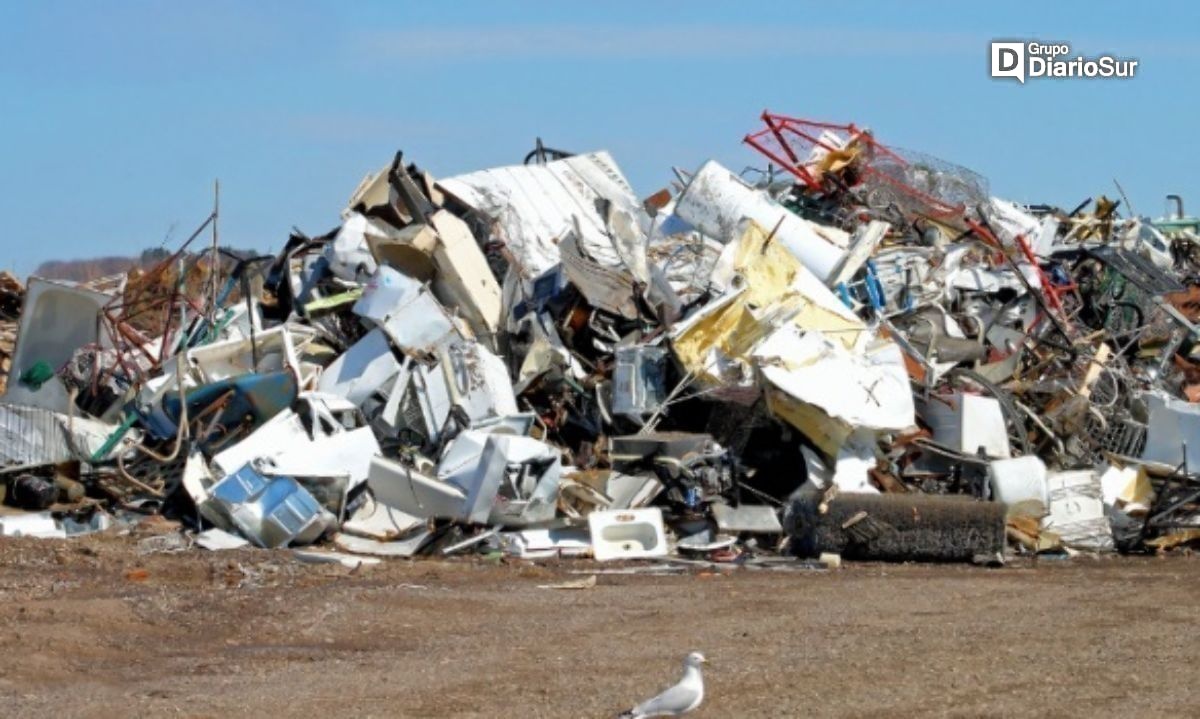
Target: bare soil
92	628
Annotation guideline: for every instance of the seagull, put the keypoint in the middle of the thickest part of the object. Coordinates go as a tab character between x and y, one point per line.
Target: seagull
679	699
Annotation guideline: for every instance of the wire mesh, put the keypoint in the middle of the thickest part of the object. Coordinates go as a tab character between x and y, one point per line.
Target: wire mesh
828	157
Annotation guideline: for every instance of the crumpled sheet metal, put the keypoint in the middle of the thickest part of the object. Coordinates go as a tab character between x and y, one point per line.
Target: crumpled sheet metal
815	382
362	370
409	490
271	511
407	311
273	350
767	287
772	275
466	377
685	258
535	206
444	254
967	423
818	360
312	438
508	480
477	381
848	471
1173	432
605	287
484	477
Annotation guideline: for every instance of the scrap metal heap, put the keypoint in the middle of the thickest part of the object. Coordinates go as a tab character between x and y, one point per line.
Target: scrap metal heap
11	295
864	353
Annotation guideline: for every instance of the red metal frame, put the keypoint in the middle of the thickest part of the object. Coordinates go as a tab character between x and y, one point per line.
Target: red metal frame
777	125
1051	293
781	127
137	301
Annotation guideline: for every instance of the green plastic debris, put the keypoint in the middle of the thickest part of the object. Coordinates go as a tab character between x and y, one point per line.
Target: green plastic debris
37	375
333	301
115	437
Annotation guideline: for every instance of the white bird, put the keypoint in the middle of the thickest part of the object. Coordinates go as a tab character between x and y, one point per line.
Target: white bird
679	699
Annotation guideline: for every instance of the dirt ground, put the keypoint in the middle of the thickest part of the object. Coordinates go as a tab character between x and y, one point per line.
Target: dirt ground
91	628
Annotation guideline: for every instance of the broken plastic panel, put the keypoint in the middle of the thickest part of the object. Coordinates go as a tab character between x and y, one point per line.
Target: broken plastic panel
548	542
767	289
751	518
812	379
463	278
850	469
405	547
467	386
376	520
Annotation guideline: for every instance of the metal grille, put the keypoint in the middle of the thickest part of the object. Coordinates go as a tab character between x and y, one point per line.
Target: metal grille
1122	436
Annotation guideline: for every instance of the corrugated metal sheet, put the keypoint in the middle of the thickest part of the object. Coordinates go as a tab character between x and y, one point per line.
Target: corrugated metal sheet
35	436
537	205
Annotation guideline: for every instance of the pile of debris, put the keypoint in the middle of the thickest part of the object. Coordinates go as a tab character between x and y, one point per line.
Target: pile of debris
860	352
12	293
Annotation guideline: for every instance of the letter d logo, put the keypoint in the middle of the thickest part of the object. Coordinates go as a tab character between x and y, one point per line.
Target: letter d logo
1008	60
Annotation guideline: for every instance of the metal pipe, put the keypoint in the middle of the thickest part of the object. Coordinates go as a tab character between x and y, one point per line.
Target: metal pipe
214	268
181	430
1178	206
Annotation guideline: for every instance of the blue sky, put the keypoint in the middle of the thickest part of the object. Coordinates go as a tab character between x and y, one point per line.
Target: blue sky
117	116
